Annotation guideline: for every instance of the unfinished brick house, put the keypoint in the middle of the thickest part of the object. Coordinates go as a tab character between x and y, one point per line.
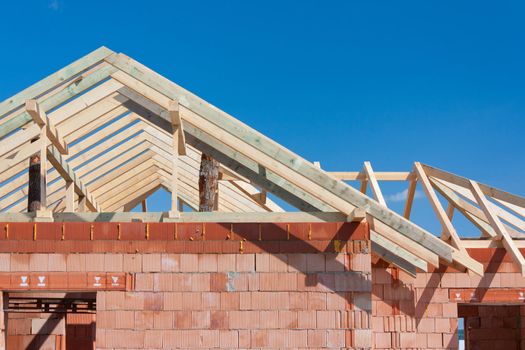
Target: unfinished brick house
225	267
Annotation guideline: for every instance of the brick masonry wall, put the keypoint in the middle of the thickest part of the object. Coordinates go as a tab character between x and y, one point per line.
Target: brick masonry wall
490	327
422	312
202	286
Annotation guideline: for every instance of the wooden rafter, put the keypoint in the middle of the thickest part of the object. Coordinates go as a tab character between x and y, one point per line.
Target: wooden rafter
498	226
155	145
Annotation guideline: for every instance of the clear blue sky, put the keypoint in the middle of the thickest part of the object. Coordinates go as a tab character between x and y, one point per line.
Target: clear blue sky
336	81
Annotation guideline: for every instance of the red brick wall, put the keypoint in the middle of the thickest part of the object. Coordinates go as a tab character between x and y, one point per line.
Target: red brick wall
490	327
422	312
204	286
35	331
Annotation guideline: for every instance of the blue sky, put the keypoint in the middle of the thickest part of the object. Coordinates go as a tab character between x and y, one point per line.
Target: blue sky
336	81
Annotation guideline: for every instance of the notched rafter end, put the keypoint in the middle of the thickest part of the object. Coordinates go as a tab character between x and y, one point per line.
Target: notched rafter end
357	215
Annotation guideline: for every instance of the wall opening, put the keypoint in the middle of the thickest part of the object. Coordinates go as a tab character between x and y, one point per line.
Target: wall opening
54	321
491	326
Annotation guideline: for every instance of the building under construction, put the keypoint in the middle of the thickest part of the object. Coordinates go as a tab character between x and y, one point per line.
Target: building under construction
225	267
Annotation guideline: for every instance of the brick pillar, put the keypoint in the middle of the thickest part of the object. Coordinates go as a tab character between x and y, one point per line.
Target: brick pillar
360	262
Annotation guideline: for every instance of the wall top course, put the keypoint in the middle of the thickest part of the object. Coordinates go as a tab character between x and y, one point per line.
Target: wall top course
108	237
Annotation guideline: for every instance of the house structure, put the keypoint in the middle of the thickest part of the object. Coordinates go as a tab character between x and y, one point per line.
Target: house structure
80	270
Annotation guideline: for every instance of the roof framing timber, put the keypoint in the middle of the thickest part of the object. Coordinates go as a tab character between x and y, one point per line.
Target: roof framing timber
149	135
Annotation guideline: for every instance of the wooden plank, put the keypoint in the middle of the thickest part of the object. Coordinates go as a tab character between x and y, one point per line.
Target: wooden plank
219	217
478	218
410	198
8	163
176	122
224	123
52	133
498	226
75	87
145	185
231	159
70	197
403	241
446	224
358	215
489	243
67	173
53	80
464	182
19	138
396	255
503	214
43	168
380	175
516	209
376	190
460	255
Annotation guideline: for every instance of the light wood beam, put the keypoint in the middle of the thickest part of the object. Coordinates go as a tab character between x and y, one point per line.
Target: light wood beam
63	75
70	196
411	192
67	173
367	168
52	133
498	226
448	229
268	153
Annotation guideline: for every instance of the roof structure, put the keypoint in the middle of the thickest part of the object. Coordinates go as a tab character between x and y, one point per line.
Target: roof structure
115	131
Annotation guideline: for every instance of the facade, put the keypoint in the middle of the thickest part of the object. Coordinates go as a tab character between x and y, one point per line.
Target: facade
80	270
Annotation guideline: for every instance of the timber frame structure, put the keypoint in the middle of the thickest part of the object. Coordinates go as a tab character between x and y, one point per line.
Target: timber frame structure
114	132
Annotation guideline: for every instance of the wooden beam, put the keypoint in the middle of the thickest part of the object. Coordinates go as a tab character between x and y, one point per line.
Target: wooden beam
396	255
64	74
448	229
410	198
477	243
70	196
67	173
503	214
487	190
403	241
498	226
471	212
357	215
176	122
52	133
380	175
376	190
231	159
274	157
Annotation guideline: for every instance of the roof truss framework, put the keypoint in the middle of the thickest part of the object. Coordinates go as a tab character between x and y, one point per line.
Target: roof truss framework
113	132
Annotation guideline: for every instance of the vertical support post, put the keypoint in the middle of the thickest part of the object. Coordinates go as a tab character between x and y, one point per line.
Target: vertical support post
70	197
33	193
208	183
82	204
173	110
144	205
43	167
37	185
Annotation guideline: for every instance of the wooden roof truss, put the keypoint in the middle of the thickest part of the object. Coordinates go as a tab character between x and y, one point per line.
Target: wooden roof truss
115	132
